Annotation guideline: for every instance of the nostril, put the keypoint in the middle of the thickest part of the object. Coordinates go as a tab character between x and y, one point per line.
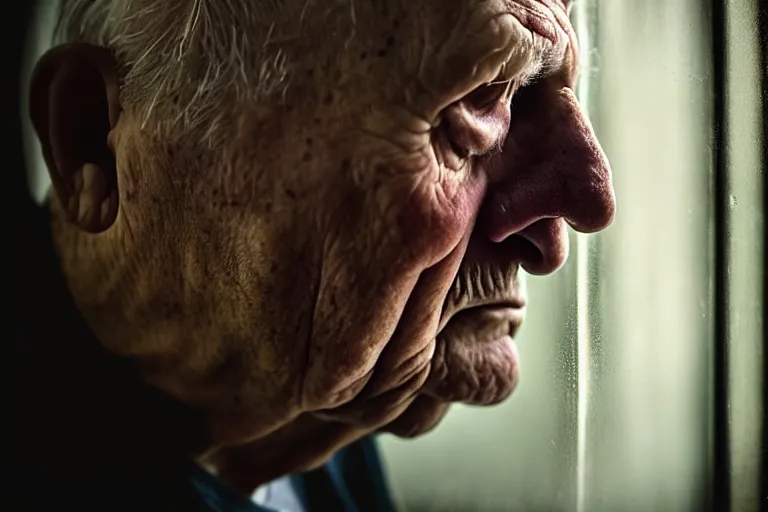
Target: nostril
524	251
541	248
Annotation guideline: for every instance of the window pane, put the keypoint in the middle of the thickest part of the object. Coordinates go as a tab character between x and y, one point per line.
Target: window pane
613	410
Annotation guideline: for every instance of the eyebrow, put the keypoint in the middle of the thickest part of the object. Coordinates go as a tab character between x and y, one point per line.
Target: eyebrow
538	59
540	67
541	61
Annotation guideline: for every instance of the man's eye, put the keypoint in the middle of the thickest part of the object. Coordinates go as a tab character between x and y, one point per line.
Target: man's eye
486	96
527	96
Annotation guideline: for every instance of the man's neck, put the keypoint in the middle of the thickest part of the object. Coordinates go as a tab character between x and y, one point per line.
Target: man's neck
80	410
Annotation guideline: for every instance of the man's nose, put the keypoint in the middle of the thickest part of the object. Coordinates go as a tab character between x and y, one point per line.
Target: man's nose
551	171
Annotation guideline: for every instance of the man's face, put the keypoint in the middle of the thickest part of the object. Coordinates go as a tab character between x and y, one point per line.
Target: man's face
355	256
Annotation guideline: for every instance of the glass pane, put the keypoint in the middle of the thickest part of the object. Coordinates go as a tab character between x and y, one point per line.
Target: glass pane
613	411
648	402
746	258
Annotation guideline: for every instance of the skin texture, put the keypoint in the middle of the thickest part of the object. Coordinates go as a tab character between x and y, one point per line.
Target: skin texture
349	262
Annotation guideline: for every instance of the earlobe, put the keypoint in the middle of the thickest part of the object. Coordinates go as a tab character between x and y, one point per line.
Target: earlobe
92	205
74	106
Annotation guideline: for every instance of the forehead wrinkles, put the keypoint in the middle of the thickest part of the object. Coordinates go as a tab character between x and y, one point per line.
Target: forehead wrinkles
549	18
570	54
563	5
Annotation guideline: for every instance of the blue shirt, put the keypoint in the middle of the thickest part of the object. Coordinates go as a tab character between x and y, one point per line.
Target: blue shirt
352	481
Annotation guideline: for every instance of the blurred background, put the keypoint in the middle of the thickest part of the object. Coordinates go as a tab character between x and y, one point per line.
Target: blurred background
643	359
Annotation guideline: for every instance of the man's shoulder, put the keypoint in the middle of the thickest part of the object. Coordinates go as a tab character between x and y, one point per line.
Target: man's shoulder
352	481
356	477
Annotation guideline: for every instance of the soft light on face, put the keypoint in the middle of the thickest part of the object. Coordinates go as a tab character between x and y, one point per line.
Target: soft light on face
353	256
464	225
413	194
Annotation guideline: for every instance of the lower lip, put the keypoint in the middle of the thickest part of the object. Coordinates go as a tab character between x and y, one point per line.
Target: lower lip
510	342
507	315
497	359
504	345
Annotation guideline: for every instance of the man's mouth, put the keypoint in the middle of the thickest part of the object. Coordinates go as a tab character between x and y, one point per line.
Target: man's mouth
487	287
485	323
476	360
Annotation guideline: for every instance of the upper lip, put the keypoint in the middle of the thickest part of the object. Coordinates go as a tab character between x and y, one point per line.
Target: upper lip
512	302
516	302
487	321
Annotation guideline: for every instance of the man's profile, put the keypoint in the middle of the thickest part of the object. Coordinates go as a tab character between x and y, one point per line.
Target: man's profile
276	229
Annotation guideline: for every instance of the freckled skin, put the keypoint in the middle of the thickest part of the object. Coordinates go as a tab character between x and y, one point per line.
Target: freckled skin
298	288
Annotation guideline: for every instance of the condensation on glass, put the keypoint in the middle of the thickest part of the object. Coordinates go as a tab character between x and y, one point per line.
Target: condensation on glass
745	257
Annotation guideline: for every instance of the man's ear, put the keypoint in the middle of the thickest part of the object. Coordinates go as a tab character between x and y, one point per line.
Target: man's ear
74	105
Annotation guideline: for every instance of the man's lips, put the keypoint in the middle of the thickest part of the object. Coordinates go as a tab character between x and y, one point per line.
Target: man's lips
510	309
476	360
484	324
505	319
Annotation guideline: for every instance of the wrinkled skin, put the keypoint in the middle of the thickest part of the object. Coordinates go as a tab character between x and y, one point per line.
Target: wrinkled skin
350	264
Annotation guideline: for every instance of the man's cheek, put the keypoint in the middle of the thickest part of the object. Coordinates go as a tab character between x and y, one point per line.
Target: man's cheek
447	214
362	291
388	228
367	278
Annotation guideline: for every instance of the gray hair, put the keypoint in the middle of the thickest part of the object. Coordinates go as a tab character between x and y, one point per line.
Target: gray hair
181	60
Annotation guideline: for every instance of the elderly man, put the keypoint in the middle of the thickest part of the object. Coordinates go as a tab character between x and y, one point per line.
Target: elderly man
276	228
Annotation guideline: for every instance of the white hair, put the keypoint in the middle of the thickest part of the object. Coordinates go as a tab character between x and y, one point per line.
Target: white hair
182	60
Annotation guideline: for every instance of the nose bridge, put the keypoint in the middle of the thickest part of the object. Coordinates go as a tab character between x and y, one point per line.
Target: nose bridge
555	168
578	169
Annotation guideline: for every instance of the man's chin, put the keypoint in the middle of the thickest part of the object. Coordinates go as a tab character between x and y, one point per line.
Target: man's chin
423	415
465	373
474	373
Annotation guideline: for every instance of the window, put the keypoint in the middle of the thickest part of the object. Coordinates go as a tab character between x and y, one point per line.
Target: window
642	378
